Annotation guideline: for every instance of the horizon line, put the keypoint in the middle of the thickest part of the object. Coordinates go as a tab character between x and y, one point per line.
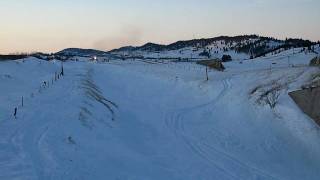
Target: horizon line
157	43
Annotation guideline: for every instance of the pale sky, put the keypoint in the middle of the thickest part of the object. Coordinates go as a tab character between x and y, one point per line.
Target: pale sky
49	26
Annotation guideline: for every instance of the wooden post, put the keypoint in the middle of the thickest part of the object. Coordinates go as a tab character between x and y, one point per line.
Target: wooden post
15	113
22	101
62	72
207	74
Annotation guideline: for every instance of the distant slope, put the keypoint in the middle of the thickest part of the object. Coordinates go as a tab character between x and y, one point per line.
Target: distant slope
183	44
12	57
81	52
240	47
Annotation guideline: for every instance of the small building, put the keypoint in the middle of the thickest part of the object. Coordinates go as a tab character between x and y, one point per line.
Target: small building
214	63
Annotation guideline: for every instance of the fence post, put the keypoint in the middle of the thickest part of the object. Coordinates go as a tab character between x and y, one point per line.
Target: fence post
207	74
62	71
15	113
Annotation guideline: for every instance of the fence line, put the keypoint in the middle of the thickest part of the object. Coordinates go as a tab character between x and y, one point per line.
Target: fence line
43	85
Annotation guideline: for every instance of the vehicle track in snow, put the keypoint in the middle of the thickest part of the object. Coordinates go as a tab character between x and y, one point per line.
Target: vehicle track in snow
176	121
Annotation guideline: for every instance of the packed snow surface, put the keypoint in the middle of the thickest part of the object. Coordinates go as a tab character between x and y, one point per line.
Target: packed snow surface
142	120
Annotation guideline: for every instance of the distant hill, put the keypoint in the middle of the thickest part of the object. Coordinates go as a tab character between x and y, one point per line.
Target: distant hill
182	44
12	57
239	47
248	45
81	52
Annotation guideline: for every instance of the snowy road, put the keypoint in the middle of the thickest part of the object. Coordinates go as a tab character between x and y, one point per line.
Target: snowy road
131	121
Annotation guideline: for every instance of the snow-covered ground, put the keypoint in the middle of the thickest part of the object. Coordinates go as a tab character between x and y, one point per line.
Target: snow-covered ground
136	120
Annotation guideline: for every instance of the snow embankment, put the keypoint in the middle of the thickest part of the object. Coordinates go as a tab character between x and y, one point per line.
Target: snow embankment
156	120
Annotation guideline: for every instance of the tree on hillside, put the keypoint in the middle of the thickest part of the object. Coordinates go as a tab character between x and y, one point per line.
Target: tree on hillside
226	58
205	53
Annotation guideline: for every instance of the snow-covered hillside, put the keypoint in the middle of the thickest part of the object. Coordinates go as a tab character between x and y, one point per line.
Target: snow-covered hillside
145	119
238	47
194	49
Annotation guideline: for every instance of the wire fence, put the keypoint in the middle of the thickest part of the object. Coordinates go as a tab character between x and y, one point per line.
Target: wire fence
58	75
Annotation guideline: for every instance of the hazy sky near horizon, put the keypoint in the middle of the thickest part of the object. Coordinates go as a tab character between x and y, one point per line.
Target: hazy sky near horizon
49	26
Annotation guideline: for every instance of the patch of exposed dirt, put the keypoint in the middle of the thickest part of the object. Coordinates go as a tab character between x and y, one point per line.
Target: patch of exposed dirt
93	94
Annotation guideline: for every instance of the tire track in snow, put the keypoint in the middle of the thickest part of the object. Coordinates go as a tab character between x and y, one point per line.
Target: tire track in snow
176	122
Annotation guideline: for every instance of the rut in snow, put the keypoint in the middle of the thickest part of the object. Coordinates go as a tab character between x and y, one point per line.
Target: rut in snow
93	94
